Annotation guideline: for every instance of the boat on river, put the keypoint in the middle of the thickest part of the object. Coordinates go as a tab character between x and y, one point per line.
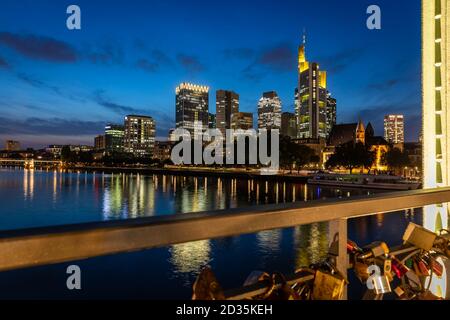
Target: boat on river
385	182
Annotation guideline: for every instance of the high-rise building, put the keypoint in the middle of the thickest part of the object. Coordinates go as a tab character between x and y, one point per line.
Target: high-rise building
289	124
212	123
227	104
99	143
139	138
192	103
436	92
394	128
269	111
331	113
114	135
312	90
12	145
242	120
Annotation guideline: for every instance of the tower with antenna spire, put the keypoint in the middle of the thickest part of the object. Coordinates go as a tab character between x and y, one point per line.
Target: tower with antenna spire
311	106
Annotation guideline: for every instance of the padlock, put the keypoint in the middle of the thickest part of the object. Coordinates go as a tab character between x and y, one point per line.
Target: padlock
387	269
436	267
352	247
399	292
361	271
420	267
381	284
419	237
399	268
374	250
328	286
206	286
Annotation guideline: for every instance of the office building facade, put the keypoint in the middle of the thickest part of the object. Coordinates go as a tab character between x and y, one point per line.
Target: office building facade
139	137
227	104
311	110
394	128
269	111
192	107
114	138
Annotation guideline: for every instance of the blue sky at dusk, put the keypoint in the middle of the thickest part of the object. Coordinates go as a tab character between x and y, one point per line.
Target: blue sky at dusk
59	86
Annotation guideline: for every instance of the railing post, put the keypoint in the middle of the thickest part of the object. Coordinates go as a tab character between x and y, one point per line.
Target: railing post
338	243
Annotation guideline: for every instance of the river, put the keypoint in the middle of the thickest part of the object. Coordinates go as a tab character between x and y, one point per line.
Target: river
31	198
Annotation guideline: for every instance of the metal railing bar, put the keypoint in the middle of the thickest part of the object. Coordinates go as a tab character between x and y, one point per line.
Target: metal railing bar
40	246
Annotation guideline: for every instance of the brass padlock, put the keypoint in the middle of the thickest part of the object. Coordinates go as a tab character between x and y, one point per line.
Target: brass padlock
206	286
328	286
419	236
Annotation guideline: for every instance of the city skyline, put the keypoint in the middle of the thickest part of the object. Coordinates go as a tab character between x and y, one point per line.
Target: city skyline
52	97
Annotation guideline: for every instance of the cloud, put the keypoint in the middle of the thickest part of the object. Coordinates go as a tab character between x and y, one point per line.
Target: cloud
115	107
238	53
190	63
39	47
278	58
385	85
4	64
38	83
105	54
156	59
340	61
50	126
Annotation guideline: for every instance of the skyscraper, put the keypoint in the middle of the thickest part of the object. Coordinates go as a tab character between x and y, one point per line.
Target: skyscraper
192	105
212	122
288	124
242	120
436	92
269	111
227	104
139	138
312	106
394	128
114	134
99	143
331	113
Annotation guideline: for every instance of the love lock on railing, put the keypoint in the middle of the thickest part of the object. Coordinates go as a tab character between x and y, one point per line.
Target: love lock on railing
414	270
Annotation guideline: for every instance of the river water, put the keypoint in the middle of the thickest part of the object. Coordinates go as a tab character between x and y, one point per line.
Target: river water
45	198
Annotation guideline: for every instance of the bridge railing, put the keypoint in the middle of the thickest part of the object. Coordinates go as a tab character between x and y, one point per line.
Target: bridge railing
57	244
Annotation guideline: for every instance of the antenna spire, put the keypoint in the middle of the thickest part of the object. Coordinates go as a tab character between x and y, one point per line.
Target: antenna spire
304	36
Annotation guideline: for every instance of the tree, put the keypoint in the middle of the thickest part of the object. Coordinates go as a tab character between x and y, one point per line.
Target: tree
351	155
66	154
396	159
292	153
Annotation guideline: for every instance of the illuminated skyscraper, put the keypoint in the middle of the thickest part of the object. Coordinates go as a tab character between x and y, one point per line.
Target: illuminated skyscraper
436	92
331	113
242	120
227	104
114	134
139	136
269	111
312	105
192	105
394	128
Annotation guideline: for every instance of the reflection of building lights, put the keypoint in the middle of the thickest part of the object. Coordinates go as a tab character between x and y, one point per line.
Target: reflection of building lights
190	257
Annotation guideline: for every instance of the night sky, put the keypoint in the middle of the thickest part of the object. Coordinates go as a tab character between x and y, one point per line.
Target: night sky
59	86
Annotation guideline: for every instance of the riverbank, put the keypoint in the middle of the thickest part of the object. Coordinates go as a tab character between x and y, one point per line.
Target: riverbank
203	172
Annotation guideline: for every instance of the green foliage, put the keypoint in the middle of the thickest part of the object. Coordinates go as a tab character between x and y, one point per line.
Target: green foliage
351	155
396	159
